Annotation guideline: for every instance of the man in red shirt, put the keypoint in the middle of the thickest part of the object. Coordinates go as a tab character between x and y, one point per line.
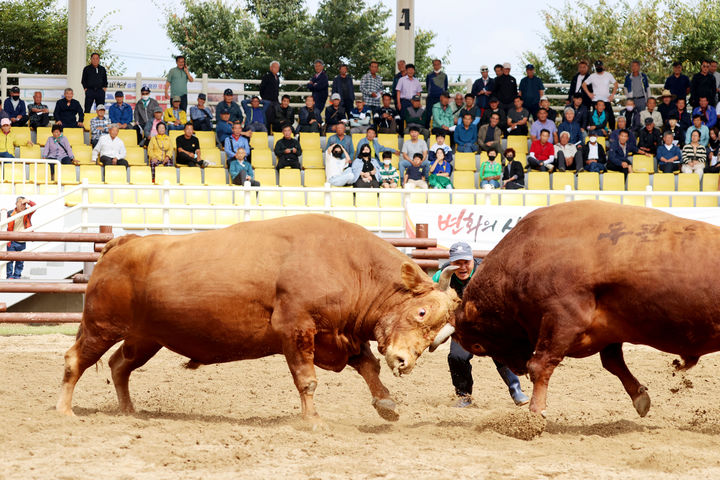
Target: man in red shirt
542	153
19	224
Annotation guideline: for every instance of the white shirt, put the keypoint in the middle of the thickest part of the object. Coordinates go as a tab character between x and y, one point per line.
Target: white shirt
445	148
334	166
107	147
593	151
601	85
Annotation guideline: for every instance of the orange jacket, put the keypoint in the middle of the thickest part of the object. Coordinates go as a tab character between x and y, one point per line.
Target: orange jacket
26	219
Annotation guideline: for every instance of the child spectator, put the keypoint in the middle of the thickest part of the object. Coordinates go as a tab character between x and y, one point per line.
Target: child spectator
389	175
416	174
440	172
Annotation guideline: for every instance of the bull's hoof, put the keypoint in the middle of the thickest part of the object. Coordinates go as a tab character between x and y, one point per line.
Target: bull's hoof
642	401
386	409
66	412
315	423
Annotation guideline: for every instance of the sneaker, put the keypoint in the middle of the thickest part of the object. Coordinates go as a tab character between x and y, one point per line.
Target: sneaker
464	402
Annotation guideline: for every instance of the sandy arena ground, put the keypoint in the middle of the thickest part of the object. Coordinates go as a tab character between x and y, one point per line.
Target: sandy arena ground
241	420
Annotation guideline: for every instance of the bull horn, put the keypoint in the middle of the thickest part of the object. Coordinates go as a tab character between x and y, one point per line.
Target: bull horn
445	277
442	335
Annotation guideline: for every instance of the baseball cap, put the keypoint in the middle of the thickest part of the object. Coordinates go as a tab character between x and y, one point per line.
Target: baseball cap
119	93
15	89
506	65
529	66
460	251
335	96
176	99
202	95
228	91
100	107
493	99
5	121
544	97
599	63
145	89
416	97
648	120
483	68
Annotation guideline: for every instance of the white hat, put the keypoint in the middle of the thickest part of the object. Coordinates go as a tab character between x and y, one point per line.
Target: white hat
506	65
5	121
483	67
544	97
100	107
335	96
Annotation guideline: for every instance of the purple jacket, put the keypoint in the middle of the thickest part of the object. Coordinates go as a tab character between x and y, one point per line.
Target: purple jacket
57	149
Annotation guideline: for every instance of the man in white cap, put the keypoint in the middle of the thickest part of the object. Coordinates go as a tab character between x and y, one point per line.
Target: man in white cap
334	113
482	89
506	88
461	256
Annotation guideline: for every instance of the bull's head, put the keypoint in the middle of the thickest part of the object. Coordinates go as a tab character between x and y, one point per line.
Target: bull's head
417	320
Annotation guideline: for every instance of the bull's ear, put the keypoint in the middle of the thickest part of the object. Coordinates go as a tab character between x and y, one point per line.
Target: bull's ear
412	278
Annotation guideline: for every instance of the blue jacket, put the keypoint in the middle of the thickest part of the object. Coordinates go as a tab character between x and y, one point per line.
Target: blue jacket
433	89
234	109
616	155
710	121
304	115
318	84
615	137
704	135
255	115
232	146
530	90
482	101
122	114
628	83
346	143
357	169
465	136
236	167
663	152
223	130
14	112
573	128
377	148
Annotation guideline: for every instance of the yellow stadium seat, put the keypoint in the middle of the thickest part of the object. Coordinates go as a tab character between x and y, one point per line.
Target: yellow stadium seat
341	199
243	198
463	199
417	197
180	217
270	199
203	217
44	189
226	217
128	136
69	175
153	218
76	136
356	137
39	172
366	199
348	216
709	184
174	134
148	196
368	219
135	156
643	164
166	174
508	199
221	197
115	174
42	134
561	180
13	172
465	161
388	140
132	216
612	181
124	195
212	155
636	182
22	135
72	199
314	178
259	141
190	176
83	154
315	199
687	182
663	182
390	199
290	177
293	199
34	152
99	195
441	198
464	179
487	197
262	158
93	173
87	119
140	175
537	181
310	141
215	176
588	181
266	177
207	139
313	159
394	220
600	140
177	197
25	189
196	197
519	143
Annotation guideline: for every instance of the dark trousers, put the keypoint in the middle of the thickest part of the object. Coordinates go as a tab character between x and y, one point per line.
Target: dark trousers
373	183
310	128
17	271
610	115
537	164
429	102
42	120
521	130
183	158
94	95
241	177
514	185
575	163
615	168
709	169
292	162
183	102
461	370
670	167
63	161
105	160
19	123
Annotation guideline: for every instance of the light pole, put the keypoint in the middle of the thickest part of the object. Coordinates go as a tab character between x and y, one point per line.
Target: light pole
405	31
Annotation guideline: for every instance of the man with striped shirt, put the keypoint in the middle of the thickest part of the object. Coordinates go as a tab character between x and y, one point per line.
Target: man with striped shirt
372	88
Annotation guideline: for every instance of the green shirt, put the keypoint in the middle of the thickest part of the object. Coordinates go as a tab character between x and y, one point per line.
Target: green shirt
490	169
178	81
391	173
442	117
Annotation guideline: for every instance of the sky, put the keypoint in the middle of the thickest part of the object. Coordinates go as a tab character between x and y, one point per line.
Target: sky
470	28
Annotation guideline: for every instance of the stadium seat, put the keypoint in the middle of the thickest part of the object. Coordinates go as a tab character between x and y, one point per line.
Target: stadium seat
202	216
342	199
441	198
42	134
83	154
388	140
394	220
135	156
417	197
511	199
221	197
153	218
180	216
93	173
262	158
293	199
709	184
259	141
69	175
663	182
140	175
316	199
124	195
368	219
348	216
76	136
174	134
465	161
314	178
643	164
196	197
44	189
519	143
34	152
128	136
636	182
166	174
612	181
213	156
190	176
390	199
115	174
366	199
72	199
132	216
22	136
87	119
39	173
587	181
270	199
463	198
149	196
207	139
13	172
215	176
687	182
226	217
313	159
487	197
537	181
266	177
464	180
99	195
310	141
561	180
356	137
25	189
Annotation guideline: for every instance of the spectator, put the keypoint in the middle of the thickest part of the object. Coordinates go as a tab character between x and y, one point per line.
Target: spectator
99	125
542	153
482	89
604	87
8	141
334	113
415	175
714	72
160	149
375	148
343	86
15	108
469	107
338	166
531	90
287	149
651	111
506	89
255	113
684	117
703	130
576	86
39	112
366	169
440	145
442	116
667	105
188	151
466	134
649	138
270	84
416	116
360	117
494	107
567	154
229	105
340	138
517	119
707	113
440	172
582	113
599	121
513	172
240	169
387	117
457	108
14	269
491	172
407	87
121	114
371	85
543	123
284	115
632	116
310	117
151	126
68	111
571	126
175	117
668	155
177	80
412	147
703	85
490	135
144	109
694	155
200	115
389	175
94	82
223	129
110	150
234	143
620	155
674	129
551	113
677	83
593	155
318	84
401	67
498	69
436	84
637	85
621	125
713	150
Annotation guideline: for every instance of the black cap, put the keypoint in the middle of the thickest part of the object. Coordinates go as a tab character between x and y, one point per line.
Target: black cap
529	66
228	91
202	95
493	99
416	97
599	63
145	89
649	120
15	89
119	93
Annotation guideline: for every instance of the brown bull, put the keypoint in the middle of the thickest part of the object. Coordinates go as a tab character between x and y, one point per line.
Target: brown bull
584	277
311	287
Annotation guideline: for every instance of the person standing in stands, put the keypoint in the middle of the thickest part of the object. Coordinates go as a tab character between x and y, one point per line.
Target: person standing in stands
407	87
482	89
604	88
531	90
318	85
343	86
94	81
177	80
436	83
371	86
14	269
506	88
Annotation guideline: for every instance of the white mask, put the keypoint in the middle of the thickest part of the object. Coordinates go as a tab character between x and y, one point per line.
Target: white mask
386	162
593	139
145	97
630	108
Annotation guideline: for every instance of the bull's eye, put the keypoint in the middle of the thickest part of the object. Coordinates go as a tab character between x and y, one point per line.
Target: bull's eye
421	312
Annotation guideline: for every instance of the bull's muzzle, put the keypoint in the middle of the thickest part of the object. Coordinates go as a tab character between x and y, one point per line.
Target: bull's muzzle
444	333
399	362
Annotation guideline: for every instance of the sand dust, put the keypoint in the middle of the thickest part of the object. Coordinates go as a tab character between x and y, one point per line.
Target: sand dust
241	420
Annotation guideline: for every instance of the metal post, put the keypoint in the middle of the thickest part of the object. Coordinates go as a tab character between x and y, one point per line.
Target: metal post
3	84
405	31
138	86
204	87
76	46
85	201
